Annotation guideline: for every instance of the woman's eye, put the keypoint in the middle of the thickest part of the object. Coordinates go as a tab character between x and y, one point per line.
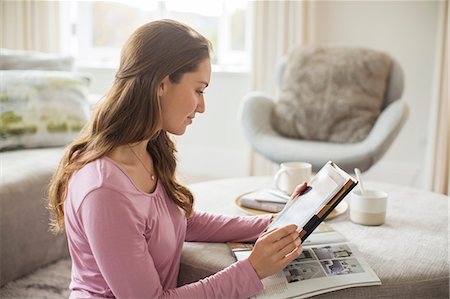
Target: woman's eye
200	92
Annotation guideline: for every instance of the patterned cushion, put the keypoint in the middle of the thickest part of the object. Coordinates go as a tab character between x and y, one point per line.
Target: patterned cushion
41	108
331	94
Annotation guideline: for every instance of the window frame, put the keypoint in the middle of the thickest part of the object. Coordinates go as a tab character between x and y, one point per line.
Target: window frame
76	35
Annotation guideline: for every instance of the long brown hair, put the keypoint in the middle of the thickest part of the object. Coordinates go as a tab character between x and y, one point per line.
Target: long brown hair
131	111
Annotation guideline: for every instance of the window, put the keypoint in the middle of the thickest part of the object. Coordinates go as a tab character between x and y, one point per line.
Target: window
98	29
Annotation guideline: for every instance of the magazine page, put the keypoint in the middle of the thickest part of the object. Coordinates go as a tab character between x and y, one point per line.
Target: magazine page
324	234
323	187
319	269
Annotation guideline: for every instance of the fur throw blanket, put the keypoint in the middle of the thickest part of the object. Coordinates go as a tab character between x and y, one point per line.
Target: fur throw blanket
331	94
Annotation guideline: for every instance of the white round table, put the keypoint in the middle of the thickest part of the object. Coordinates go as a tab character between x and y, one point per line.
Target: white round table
409	253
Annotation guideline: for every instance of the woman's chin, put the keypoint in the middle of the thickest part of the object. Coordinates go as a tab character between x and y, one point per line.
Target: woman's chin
179	131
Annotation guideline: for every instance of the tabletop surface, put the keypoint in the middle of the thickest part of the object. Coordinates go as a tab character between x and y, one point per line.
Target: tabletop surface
411	245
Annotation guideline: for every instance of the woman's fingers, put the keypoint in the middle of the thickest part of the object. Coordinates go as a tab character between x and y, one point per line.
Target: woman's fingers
266	232
298	190
285	241
279	233
286	244
289	247
274	250
292	255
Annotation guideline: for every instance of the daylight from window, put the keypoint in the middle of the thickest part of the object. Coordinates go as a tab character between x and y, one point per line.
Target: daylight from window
100	28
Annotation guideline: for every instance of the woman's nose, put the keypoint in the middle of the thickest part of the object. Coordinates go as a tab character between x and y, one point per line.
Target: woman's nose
201	106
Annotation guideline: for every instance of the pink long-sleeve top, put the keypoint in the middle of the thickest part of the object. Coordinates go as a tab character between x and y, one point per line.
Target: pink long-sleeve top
125	243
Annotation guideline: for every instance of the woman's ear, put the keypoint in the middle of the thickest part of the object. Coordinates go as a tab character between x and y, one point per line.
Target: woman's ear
161	89
163	86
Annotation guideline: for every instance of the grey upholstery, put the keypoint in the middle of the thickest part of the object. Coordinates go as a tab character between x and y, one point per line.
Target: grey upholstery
255	114
408	256
26	241
409	253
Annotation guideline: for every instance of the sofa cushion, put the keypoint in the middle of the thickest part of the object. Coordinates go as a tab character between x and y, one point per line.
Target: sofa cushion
26	241
331	94
200	260
42	108
29	60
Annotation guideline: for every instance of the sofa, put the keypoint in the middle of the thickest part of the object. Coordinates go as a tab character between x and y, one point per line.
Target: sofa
26	242
44	105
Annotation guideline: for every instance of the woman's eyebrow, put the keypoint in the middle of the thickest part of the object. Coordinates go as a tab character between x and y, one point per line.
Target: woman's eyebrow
206	83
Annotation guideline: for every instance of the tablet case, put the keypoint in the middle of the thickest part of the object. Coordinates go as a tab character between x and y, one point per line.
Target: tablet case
320	216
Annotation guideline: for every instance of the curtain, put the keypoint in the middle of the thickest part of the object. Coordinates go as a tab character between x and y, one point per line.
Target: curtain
277	27
438	162
30	25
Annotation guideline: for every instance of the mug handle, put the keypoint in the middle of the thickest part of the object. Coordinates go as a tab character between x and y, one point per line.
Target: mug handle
277	177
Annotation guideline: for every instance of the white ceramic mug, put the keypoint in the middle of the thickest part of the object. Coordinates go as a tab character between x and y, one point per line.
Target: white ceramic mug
368	208
291	174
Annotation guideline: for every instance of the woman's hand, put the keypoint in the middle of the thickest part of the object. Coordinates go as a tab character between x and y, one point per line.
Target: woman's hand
274	250
298	190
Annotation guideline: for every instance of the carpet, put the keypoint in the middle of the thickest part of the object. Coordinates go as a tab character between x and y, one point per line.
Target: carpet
50	282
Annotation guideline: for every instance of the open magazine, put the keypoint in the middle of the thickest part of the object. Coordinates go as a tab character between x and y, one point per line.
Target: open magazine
328	263
324	192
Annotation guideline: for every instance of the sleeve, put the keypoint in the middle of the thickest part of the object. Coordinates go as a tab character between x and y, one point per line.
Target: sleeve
115	233
204	227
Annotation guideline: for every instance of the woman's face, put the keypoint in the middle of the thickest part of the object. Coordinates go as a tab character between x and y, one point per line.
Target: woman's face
181	101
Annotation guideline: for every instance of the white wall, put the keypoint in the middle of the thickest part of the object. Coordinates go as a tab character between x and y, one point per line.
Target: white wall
214	145
408	30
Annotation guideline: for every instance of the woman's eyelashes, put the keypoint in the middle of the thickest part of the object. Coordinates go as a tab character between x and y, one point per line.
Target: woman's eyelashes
200	92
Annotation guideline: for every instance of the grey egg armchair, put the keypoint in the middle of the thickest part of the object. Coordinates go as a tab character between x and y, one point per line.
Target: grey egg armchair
255	114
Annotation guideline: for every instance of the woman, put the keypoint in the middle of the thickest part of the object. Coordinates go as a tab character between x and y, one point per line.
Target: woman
115	193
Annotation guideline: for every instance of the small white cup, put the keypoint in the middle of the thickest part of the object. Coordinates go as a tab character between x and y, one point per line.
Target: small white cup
368	209
291	174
